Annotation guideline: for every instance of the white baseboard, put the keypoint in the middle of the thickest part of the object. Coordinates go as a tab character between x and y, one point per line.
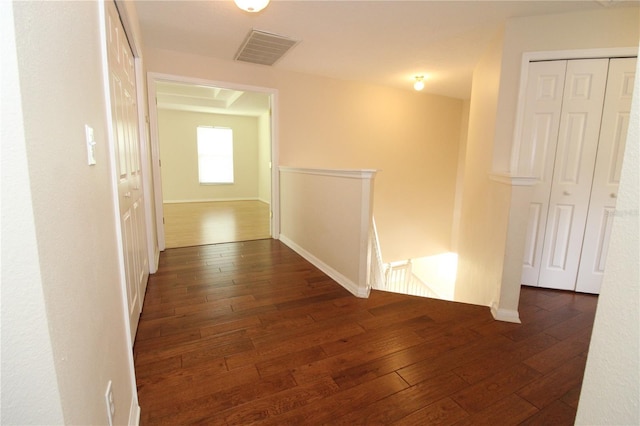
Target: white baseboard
134	413
345	282
506	315
156	261
210	200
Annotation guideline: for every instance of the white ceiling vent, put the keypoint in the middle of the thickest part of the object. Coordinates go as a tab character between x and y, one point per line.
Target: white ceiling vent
264	48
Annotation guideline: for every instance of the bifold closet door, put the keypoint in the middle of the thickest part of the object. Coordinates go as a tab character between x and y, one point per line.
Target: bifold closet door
545	87
584	90
127	155
606	177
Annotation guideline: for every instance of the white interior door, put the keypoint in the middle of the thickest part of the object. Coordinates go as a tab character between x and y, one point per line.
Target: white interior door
585	85
127	152
545	86
613	133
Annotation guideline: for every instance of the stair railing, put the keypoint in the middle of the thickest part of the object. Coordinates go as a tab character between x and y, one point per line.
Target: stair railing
376	266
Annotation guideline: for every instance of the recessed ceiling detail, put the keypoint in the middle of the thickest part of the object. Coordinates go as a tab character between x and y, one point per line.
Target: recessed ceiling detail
261	47
208	99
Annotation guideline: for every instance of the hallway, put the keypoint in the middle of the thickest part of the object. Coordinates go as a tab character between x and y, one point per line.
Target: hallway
201	223
250	332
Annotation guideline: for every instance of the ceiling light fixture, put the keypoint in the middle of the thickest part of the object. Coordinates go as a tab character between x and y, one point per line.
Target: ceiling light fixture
419	84
251	5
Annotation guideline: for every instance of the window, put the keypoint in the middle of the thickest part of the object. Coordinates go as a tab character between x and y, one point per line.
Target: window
215	155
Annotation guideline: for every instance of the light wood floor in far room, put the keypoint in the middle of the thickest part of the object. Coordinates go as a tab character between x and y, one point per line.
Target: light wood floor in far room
195	224
251	333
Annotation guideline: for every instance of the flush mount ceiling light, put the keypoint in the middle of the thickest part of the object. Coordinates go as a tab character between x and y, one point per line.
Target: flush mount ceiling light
419	84
251	5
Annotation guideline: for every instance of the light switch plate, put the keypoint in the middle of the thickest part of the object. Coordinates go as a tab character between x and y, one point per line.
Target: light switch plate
91	145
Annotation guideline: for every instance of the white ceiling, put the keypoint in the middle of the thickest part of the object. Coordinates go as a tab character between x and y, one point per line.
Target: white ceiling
381	42
212	100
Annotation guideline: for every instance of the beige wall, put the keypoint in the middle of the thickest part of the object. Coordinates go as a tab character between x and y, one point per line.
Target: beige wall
411	137
325	217
75	273
179	154
462	151
485	203
611	389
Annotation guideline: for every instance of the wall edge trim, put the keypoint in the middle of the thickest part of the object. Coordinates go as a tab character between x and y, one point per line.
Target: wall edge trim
508	179
506	315
345	173
210	200
345	282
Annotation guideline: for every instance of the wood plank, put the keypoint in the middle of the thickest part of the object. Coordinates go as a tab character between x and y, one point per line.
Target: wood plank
441	413
554	385
250	332
509	411
198	223
400	404
337	405
494	388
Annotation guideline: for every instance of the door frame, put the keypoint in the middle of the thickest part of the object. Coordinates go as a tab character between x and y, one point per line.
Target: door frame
123	12
152	78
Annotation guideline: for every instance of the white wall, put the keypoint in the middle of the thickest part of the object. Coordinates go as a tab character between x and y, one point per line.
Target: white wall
611	389
28	372
179	154
75	275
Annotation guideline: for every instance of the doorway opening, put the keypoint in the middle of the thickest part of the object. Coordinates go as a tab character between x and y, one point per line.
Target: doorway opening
193	211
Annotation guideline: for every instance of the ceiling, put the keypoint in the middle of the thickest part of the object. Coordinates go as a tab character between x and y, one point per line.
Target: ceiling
212	100
380	42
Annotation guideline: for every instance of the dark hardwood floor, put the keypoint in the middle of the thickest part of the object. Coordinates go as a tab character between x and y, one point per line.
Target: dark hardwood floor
250	332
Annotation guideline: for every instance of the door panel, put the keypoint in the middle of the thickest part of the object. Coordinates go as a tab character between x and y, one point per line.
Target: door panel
127	158
533	224
561	218
540	131
585	85
613	133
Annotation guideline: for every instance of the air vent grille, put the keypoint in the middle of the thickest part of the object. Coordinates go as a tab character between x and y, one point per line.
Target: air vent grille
264	48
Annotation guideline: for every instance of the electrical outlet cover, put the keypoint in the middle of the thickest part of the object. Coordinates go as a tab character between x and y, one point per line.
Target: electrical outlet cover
111	408
91	145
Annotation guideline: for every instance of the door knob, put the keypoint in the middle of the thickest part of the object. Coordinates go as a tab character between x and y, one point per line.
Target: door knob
566	193
613	195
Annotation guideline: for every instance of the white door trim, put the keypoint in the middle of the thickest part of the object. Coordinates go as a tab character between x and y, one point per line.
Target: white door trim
134	408
152	78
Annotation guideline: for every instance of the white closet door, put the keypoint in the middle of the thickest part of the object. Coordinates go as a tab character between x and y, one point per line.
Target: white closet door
584	90
545	85
613	133
127	155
